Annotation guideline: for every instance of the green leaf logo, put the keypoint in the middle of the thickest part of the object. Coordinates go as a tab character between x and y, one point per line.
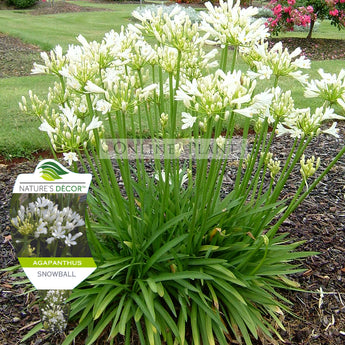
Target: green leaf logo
51	171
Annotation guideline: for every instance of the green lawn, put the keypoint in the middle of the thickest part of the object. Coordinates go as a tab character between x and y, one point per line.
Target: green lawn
325	30
47	31
19	135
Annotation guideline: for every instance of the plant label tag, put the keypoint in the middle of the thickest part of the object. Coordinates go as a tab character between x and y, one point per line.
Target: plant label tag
48	219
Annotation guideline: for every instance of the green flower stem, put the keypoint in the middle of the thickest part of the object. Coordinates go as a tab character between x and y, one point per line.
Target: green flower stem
202	179
38	249
276	79
224	57
62	82
75	167
296	202
161	91
126	176
156	115
214	175
89	104
105	169
172	114
52	149
96	246
241	186
178	70
111	125
263	179
234	58
148	115
229	135
261	163
288	160
283	178
94	172
262	261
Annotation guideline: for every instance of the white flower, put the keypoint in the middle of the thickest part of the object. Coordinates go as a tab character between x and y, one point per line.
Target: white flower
93	88
41	230
70	240
263	72
58	232
330	88
188	120
50	240
39	69
70	157
182	177
332	130
43	202
220	141
229	24
301	122
301	62
95	123
178	149
103	106
280	61
46	127
68	117
82	108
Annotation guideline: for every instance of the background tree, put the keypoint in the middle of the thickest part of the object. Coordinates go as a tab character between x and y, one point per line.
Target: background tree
288	13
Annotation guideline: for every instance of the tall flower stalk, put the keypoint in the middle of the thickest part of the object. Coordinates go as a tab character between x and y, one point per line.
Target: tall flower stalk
178	246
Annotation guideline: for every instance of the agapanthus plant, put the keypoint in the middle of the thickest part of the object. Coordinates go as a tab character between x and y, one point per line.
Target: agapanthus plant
182	256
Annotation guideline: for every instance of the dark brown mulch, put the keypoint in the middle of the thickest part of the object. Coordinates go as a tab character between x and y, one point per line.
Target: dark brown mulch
52	7
315	48
320	222
42	8
16	57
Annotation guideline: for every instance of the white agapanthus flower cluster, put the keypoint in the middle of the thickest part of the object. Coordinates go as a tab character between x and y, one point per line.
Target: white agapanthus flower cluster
53	311
52	63
330	88
303	123
67	132
230	25
42	219
173	29
278	62
212	94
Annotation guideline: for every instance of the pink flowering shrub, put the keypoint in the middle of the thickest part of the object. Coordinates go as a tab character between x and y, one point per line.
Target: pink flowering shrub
288	13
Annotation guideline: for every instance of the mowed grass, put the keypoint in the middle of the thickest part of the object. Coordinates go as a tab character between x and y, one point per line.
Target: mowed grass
324	30
19	134
47	31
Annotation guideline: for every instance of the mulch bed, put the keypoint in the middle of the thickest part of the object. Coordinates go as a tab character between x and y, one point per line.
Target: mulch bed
319	222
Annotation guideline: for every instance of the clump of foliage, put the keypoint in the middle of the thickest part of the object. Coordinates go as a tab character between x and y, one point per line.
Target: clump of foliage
182	257
22	3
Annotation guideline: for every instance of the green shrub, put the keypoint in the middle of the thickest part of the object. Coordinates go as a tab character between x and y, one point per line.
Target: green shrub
23	3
